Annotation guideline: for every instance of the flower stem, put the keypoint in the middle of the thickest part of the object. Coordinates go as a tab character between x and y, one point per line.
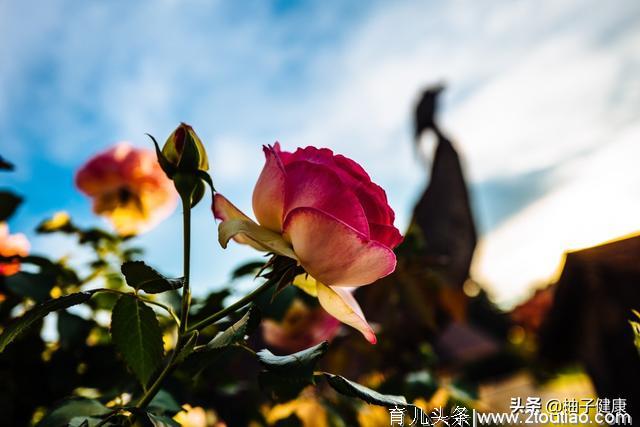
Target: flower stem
233	307
148	396
184	314
186	249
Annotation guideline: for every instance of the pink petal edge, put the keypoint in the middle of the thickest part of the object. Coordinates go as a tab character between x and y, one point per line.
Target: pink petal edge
334	253
340	303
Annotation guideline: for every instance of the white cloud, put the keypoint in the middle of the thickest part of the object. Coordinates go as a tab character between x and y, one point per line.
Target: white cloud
600	202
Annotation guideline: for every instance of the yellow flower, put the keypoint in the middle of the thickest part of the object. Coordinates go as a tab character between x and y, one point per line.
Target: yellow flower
197	417
308	410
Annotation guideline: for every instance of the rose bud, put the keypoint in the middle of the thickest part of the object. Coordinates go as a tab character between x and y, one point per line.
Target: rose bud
323	211
184	160
184	150
128	188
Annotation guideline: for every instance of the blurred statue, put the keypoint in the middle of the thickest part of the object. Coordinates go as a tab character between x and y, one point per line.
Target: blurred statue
426	305
443	213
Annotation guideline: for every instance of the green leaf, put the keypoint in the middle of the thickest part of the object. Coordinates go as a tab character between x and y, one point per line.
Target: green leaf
31	285
165	164
73	330
352	389
199	359
73	409
164	403
84	422
263	237
20	324
203	175
94	236
235	332
161	421
9	202
299	364
187	348
196	362
246	269
137	335
140	276
285	376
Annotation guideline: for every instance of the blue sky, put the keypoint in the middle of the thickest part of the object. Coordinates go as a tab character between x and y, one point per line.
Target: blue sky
543	102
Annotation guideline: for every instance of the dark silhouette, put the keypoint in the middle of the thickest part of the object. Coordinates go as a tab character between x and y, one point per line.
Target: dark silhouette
588	321
443	213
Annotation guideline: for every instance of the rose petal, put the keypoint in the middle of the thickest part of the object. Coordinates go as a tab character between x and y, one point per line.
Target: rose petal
224	210
317	186
306	283
258	236
334	253
372	197
321	156
388	235
268	194
340	303
374	201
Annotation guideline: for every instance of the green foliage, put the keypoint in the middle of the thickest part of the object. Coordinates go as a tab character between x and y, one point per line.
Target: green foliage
31	285
188	347
75	411
352	389
160	421
73	330
137	335
20	324
300	364
236	332
9	202
203	356
246	269
142	277
285	376
163	403
213	365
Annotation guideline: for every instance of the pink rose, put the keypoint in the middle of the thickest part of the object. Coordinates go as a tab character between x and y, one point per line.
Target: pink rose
11	245
128	187
322	210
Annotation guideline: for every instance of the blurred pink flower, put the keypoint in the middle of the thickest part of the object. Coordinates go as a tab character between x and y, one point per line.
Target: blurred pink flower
11	245
301	327
128	187
324	211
